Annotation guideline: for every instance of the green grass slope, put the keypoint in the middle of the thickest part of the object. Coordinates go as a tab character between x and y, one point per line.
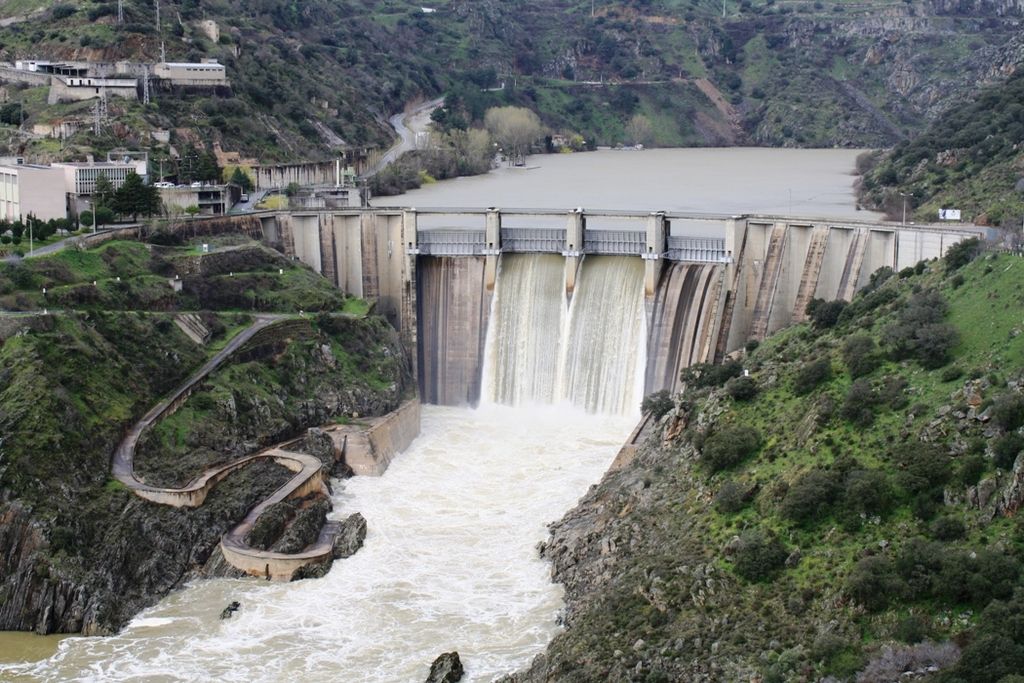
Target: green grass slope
849	510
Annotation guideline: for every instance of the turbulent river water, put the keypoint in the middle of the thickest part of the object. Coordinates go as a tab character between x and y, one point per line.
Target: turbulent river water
450	560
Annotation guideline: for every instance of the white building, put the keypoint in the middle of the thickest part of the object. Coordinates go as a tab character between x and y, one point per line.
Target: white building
29	189
206	73
75	89
80	177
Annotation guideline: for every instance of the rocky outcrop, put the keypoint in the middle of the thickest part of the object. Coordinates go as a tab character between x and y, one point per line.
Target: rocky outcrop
447	668
350	537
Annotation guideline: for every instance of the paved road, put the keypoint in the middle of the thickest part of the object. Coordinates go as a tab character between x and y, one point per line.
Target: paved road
255	197
406	124
54	247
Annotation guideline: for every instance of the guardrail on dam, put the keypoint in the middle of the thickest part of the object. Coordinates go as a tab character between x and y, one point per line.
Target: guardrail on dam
753	274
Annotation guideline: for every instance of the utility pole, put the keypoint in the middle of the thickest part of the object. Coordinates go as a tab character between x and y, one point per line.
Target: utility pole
723	9
120	11
145	85
158	16
163	53
904	195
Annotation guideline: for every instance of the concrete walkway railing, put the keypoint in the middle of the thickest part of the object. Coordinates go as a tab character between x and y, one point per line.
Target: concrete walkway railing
309	477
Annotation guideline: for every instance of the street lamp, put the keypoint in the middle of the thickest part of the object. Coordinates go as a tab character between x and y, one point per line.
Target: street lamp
904	195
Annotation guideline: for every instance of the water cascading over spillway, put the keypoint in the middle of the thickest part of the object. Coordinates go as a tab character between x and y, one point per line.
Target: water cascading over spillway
681	322
590	353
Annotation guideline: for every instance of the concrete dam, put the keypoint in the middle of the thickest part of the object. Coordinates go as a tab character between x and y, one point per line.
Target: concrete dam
596	309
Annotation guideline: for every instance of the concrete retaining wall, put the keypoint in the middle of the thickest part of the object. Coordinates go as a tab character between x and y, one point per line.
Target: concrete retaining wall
369	448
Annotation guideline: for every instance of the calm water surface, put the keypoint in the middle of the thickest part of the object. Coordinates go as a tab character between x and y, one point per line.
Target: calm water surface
816	182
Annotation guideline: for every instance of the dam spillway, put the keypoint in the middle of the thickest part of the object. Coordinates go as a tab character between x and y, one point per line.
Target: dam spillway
586	350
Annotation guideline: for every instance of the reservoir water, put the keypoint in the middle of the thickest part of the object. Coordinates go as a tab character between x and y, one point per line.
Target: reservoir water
801	182
450	560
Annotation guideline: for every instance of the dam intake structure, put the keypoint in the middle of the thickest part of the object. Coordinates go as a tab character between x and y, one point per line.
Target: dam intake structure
542	306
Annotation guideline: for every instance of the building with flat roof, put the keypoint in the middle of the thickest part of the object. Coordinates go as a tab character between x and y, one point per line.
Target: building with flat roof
205	73
30	189
80	177
211	200
75	89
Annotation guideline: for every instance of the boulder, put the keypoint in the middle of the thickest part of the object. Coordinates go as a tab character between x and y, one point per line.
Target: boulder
350	537
446	669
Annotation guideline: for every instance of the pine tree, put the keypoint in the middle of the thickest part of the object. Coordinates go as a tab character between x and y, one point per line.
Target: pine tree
135	197
104	192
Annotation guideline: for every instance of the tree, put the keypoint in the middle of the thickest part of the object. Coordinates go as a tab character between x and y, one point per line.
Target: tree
192	210
639	130
135	197
241	178
514	128
292	189
104	192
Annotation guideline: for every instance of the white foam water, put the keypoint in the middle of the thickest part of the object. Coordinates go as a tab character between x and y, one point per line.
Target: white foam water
450	563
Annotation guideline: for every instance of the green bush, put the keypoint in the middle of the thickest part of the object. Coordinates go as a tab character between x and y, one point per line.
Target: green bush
760	556
657	404
1008	411
1006	448
953	372
741	388
859	355
971	469
865	492
729	447
710	375
962	253
859	404
812	374
730	498
825	314
919	332
809	497
922	467
948	528
873	583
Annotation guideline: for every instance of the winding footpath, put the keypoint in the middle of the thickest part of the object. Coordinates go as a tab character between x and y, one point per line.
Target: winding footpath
309	477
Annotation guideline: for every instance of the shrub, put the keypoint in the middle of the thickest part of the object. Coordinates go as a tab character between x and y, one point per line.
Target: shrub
1006	448
741	388
948	528
953	372
657	404
731	497
812	374
865	492
1008	411
730	446
971	469
760	556
859	405
962	253
752	346
919	332
859	355
809	497
824	314
873	583
923	467
911	629
62	11
709	375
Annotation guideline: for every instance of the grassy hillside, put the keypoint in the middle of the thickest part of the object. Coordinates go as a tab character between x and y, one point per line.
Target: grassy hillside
971	158
312	77
849	511
127	275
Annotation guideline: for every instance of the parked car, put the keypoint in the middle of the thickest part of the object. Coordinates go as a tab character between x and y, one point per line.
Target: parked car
163	184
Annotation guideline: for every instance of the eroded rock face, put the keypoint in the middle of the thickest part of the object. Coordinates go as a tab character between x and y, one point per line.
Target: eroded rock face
446	669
